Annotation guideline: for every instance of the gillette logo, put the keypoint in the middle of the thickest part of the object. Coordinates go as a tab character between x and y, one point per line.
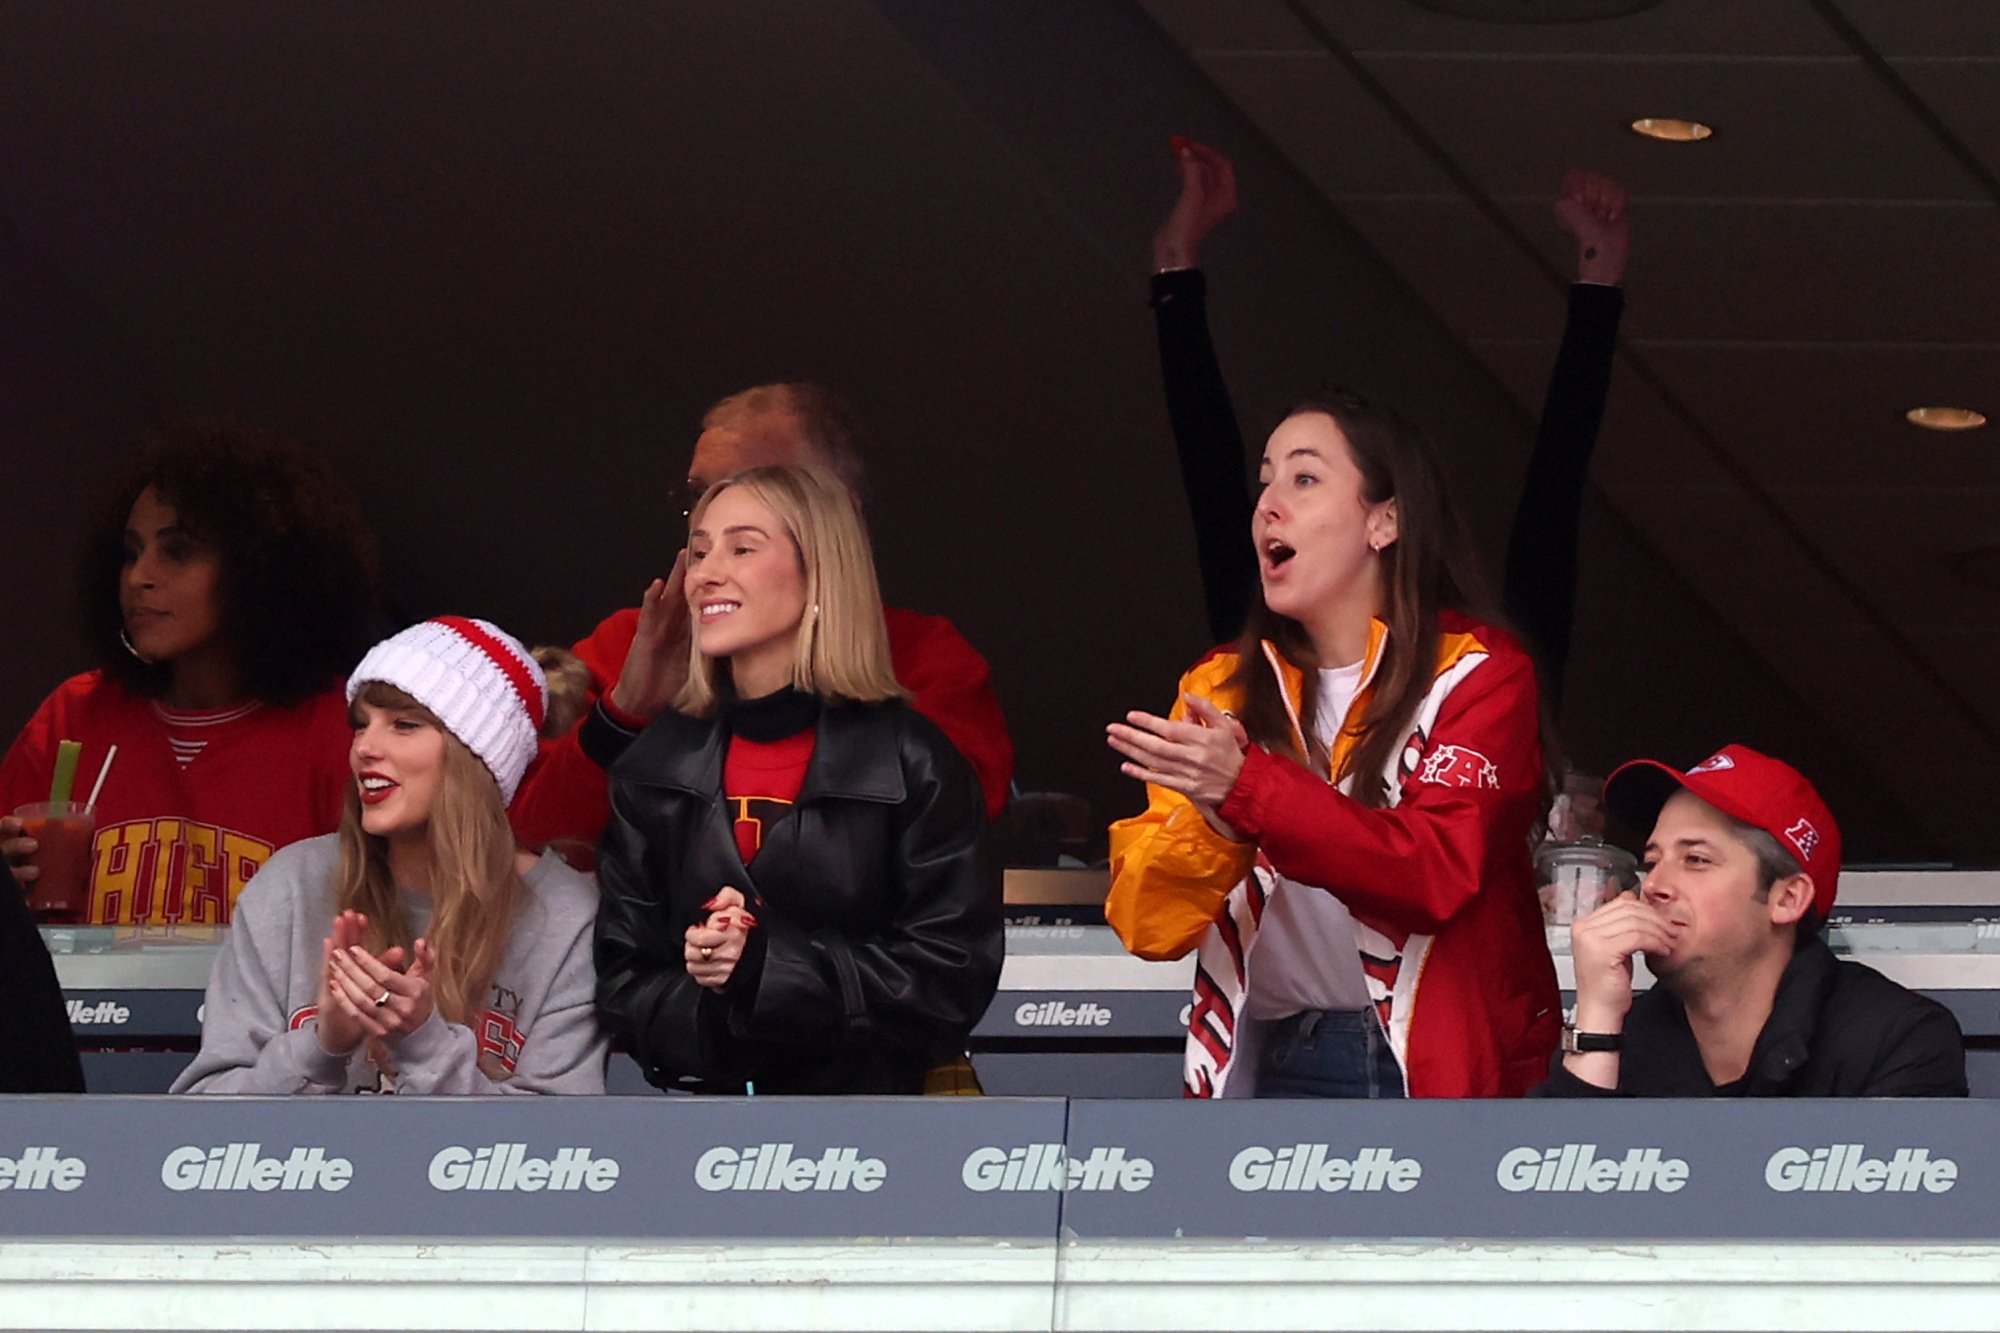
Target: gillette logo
771	1166
1048	1166
1305	1167
507	1166
1574	1168
1842	1168
41	1169
238	1166
104	1012
1056	1014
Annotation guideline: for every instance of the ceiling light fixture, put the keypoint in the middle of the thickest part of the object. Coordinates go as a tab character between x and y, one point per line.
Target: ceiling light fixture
1670	130
1945	418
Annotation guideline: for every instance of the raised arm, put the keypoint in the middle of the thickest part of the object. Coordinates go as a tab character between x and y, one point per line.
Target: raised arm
1207	440
1541	551
637	660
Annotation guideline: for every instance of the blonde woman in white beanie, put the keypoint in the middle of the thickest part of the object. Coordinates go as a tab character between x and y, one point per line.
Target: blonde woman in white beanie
418	950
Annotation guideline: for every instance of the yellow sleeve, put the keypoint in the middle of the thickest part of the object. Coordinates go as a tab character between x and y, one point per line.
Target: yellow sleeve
1170	871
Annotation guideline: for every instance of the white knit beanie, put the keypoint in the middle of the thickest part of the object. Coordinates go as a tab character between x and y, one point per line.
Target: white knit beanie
479	681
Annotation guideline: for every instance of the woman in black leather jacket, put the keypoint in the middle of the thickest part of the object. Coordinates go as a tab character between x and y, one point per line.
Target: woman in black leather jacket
794	899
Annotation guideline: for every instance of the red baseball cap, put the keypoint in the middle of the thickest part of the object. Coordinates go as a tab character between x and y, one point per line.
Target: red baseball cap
1760	791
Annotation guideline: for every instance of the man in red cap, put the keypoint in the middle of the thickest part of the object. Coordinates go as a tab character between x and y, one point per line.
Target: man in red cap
1740	873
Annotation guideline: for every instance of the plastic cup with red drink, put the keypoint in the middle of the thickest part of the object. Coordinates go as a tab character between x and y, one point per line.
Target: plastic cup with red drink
60	893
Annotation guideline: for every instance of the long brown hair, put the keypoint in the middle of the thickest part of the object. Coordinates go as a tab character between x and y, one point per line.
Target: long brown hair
843	643
474	886
1427	569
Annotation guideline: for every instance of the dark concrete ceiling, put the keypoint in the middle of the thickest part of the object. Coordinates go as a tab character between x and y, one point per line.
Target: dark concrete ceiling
1830	258
496	257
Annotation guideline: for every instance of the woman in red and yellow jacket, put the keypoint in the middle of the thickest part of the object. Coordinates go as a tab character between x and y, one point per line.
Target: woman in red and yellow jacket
1339	806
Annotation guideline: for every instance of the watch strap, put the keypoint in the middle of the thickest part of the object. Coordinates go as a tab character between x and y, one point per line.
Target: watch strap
1579	1043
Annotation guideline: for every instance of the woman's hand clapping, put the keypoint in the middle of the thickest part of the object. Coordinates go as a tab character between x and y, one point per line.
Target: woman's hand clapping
1199	759
362	995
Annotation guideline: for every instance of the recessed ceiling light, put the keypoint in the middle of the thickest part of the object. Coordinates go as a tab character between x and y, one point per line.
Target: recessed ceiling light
1945	418
1673	131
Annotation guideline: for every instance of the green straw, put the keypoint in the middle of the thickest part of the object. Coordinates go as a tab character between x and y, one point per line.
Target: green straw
67	753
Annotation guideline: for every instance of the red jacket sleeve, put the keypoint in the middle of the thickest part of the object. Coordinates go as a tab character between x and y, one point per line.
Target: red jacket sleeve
950	684
1466	807
564	799
605	651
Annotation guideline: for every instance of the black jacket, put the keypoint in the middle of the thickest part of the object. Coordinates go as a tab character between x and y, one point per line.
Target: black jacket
38	1054
1837	1029
879	936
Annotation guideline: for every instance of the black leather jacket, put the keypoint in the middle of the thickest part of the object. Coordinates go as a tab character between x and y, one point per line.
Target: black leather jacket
879	936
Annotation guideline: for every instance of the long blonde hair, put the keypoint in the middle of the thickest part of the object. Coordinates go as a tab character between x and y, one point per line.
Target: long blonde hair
474	886
842	646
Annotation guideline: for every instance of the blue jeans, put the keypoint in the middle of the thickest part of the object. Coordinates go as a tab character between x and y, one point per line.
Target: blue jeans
1328	1053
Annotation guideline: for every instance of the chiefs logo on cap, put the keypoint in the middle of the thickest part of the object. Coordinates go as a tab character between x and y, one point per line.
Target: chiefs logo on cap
1715	763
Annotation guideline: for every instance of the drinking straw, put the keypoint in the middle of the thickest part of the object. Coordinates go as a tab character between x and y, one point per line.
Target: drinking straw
103	772
67	753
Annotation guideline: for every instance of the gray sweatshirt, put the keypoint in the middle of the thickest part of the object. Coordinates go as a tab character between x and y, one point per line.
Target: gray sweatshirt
259	1033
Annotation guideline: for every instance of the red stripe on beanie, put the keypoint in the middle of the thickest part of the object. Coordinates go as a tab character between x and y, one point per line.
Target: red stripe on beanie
503	657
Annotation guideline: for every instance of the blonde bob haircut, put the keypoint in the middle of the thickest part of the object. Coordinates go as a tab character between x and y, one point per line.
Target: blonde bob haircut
842	649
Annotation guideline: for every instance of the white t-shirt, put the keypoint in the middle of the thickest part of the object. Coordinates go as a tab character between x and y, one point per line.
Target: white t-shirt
1307	956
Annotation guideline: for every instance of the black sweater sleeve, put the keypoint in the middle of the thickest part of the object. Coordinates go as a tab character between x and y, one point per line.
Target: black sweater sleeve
1541	551
1210	447
39	1053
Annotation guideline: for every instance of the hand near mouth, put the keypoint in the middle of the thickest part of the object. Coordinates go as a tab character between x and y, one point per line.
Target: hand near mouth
1602	946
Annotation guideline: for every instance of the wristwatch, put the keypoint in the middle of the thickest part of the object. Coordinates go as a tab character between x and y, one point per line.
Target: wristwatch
1576	1043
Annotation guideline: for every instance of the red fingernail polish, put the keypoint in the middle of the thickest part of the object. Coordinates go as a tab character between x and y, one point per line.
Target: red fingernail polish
1180	143
709	906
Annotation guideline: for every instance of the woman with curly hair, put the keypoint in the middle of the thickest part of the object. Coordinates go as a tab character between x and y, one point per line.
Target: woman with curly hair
225	588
